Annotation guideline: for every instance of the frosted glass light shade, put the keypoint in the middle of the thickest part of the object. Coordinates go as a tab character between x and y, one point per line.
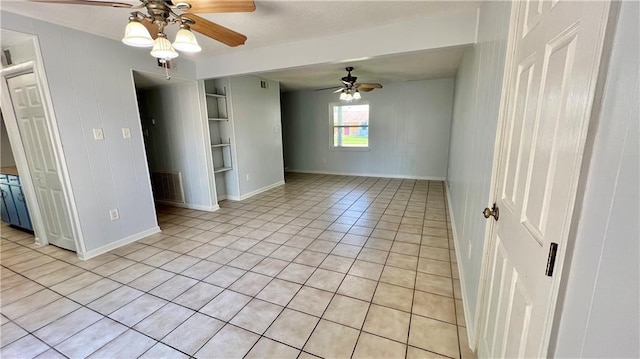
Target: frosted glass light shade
356	96
162	49
136	35
343	96
186	41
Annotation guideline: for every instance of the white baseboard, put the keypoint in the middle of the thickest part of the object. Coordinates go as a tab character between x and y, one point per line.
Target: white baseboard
119	243
471	332
381	175
253	193
190	206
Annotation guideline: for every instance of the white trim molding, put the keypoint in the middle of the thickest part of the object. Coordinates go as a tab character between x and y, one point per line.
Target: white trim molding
253	193
190	206
381	175
117	244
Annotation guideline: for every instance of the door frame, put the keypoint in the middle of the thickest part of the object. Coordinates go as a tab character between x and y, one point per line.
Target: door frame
598	75
37	67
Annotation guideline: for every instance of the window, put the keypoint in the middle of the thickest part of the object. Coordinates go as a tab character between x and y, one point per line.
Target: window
350	125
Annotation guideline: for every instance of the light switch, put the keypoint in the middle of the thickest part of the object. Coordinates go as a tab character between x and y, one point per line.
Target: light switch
98	134
126	132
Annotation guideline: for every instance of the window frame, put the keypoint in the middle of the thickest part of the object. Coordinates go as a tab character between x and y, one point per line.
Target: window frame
332	127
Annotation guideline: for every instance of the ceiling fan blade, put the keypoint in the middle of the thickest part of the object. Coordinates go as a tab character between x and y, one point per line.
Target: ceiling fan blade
366	89
338	90
151	27
371	86
87	2
217	6
215	31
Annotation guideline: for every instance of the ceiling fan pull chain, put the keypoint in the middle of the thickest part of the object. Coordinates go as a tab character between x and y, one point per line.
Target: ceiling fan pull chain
166	69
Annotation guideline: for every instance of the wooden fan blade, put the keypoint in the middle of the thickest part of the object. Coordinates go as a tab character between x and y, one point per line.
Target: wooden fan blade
151	27
216	6
87	2
371	86
365	89
215	31
338	90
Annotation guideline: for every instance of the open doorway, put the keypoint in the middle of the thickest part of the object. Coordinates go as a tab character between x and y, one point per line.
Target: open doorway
36	192
171	120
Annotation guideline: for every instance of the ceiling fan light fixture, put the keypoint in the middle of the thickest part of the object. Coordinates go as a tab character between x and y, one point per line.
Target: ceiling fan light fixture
186	40
162	48
343	96
136	35
356	95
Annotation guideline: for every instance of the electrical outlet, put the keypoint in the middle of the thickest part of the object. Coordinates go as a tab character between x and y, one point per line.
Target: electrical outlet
114	215
98	134
126	132
248	177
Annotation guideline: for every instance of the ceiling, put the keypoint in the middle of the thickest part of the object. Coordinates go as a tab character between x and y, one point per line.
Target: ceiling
145	80
273	22
423	65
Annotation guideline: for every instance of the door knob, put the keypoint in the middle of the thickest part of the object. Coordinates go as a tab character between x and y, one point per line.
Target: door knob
492	212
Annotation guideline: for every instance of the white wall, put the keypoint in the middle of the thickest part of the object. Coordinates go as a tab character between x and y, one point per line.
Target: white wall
175	142
6	154
599	307
452	29
473	133
258	138
408	131
91	86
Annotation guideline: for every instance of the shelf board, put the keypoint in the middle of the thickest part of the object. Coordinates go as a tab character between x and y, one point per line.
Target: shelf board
222	169
221	145
218	119
215	95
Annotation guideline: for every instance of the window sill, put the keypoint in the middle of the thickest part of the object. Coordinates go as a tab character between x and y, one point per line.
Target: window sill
350	149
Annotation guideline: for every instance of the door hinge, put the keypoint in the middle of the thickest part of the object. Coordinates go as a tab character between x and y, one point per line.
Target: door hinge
551	260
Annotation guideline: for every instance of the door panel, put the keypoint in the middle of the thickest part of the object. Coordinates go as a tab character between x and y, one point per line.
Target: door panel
36	139
551	83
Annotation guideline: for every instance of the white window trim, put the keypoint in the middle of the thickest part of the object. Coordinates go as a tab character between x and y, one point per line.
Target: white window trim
349	149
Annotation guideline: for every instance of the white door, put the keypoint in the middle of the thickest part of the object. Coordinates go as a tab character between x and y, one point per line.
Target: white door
36	140
551	84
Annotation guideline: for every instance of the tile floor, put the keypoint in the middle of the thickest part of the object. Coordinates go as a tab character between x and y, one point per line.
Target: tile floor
325	266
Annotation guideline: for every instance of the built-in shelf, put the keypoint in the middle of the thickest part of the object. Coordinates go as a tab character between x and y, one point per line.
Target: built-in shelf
222	169
216	95
218	119
221	145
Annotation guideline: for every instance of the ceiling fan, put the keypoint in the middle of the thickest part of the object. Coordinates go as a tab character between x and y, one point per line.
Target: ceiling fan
147	29
351	89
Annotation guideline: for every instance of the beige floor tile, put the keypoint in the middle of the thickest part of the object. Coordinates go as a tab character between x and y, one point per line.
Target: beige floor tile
263	248
356	287
26	347
402	261
51	354
131	273
201	269
379	244
225	276
457	290
229	343
434	336
90	339
310	300
204	251
337	263
180	264
246	261
251	283
460	313
441	254
393	296
428	240
373	255
193	333
310	258
416	353
162	351
348	311
26	288
405	248
112	267
398	276
386	322
40	317
346	250
322	246
256	316
224	255
372	346
269	349
163	321
434	306
29	303
137	310
331	340
297	273
130	344
115	300
198	295
366	270
286	253
434	284
279	292
432	266
270	266
325	280
292	327
151	280
465	351
10	333
67	326
225	305
173	287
